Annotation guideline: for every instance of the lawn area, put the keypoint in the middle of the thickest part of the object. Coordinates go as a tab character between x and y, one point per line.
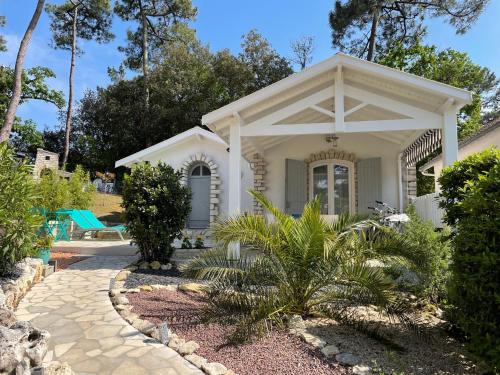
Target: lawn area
107	207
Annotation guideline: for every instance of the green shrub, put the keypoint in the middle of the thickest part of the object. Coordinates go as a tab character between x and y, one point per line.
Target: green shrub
80	189
18	222
453	181
56	192
156	207
199	244
186	243
436	250
475	282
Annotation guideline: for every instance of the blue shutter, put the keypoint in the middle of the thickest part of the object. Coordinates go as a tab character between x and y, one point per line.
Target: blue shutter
369	183
295	186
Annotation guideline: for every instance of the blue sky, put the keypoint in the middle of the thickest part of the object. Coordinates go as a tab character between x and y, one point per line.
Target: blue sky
220	23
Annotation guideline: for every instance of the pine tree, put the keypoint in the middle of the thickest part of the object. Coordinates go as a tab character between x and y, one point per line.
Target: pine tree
73	20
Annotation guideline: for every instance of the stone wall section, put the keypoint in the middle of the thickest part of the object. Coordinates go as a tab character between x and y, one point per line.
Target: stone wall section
258	166
215	180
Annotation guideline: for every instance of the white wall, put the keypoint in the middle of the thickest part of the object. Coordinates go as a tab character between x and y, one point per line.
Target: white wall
363	146
177	154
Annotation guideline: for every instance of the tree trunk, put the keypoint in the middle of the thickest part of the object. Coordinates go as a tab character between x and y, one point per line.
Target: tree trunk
373	34
18	73
69	113
145	73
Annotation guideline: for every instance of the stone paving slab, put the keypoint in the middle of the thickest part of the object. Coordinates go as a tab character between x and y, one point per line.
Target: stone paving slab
87	332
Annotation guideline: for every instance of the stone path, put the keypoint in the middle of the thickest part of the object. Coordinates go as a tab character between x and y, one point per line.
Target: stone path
87	332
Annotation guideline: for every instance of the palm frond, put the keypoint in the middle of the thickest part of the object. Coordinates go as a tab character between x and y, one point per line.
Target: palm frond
215	264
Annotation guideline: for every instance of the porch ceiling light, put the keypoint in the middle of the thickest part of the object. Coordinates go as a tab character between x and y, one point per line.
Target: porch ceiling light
332	139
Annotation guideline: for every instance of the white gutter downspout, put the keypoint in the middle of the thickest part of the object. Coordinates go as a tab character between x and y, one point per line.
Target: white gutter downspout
400	181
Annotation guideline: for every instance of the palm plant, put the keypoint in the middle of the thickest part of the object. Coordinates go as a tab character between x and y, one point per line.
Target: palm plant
304	266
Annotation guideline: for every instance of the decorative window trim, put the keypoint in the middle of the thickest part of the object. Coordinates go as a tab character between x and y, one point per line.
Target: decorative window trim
329	163
339	156
215	181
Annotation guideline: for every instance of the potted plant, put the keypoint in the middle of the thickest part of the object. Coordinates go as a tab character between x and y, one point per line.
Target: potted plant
43	245
199	244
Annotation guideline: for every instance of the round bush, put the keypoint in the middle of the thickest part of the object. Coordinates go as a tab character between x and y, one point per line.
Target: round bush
157	206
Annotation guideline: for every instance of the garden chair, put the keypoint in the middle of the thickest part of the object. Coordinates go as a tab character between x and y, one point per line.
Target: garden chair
88	222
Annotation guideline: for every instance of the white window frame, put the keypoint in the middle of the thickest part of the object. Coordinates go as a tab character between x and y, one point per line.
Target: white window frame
330	175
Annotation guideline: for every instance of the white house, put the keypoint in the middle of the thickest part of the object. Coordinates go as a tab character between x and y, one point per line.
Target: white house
345	129
487	136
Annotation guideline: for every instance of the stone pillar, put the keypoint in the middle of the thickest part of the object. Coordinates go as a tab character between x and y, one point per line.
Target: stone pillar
258	165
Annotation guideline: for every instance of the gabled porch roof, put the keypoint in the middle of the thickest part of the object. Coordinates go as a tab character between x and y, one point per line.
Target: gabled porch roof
342	94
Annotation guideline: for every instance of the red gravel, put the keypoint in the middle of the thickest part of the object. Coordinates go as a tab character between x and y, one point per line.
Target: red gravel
278	353
65	259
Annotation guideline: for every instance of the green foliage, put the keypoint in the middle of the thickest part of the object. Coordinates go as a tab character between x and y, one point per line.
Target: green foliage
199	244
186	243
300	266
55	192
471	189
33	86
80	189
156	207
454	181
164	18
26	138
3	42
386	22
453	68
433	271
44	241
93	22
18	222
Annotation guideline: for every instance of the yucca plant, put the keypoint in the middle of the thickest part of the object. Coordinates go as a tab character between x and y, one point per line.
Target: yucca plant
304	266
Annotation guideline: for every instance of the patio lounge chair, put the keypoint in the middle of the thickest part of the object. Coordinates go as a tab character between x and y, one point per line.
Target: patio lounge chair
88	222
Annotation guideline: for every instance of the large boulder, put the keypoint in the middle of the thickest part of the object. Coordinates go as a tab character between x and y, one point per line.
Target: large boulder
7	318
22	346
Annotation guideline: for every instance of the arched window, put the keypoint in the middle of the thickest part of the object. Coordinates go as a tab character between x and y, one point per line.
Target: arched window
200	170
199	183
333	182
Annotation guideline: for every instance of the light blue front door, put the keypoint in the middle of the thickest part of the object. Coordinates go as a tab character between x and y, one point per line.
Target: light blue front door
199	183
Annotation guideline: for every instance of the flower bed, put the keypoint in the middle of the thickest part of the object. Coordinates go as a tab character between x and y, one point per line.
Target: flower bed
277	353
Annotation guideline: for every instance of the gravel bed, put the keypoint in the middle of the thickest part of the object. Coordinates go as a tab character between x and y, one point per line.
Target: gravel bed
435	353
278	353
151	277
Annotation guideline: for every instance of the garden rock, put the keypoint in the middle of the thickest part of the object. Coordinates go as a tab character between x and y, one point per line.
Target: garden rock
115	292
55	368
120	300
330	351
313	340
144	266
348	359
21	345
166	267
133	290
145	288
192	287
188	348
296	322
361	370
214	368
7	318
155	265
122	275
175	343
144	326
196	360
408	277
